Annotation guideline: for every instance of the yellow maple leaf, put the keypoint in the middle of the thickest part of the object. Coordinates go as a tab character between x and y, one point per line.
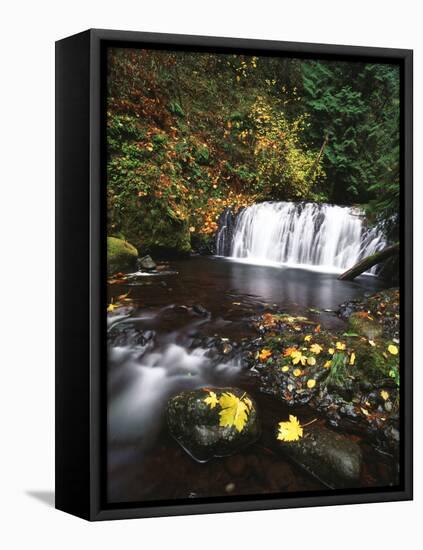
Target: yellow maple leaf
290	430
297	372
212	399
285	368
298	357
307	338
289	351
327	364
234	411
311	361
311	383
340	345
316	348
248	402
384	394
331	351
352	358
264	354
111	307
393	349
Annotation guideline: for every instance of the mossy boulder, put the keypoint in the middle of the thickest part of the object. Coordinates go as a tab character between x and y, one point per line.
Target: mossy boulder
362	323
161	230
195	424
121	255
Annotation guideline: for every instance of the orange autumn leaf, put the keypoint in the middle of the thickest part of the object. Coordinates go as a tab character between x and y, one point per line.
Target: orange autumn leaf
264	354
288	351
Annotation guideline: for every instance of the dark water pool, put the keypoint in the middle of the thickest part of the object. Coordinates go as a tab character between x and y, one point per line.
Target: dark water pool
144	462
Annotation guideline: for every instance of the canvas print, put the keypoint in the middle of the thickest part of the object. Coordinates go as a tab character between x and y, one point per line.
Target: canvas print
252	275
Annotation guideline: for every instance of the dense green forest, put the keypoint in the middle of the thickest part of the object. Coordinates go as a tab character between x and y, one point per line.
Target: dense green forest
190	134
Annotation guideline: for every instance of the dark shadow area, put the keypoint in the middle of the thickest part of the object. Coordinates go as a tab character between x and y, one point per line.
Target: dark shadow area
46	497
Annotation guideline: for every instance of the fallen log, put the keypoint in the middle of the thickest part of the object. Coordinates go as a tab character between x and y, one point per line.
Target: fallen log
368	262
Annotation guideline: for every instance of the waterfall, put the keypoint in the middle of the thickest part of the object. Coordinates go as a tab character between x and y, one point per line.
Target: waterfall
323	236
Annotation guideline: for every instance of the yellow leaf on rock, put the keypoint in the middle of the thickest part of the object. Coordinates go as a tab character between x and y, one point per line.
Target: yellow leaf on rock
297	372
307	338
234	411
340	345
212	400
311	383
285	368
290	430
393	349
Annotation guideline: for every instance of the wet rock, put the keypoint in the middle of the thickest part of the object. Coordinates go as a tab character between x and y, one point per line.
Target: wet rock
194	424
329	456
392	433
365	326
126	334
230	487
388	406
382	306
224	234
146	263
200	310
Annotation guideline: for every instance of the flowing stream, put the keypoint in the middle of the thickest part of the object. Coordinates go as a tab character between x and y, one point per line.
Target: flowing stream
326	237
164	342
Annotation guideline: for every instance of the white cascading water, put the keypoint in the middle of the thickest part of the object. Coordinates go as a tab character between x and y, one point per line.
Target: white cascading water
142	377
321	236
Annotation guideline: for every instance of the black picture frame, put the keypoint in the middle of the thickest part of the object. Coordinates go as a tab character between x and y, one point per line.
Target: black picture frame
81	268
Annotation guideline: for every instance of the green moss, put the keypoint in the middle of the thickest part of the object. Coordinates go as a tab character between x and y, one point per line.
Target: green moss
121	255
363	325
372	365
158	228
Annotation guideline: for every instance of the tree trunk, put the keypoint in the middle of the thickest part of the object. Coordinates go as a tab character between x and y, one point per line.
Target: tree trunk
319	156
370	261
